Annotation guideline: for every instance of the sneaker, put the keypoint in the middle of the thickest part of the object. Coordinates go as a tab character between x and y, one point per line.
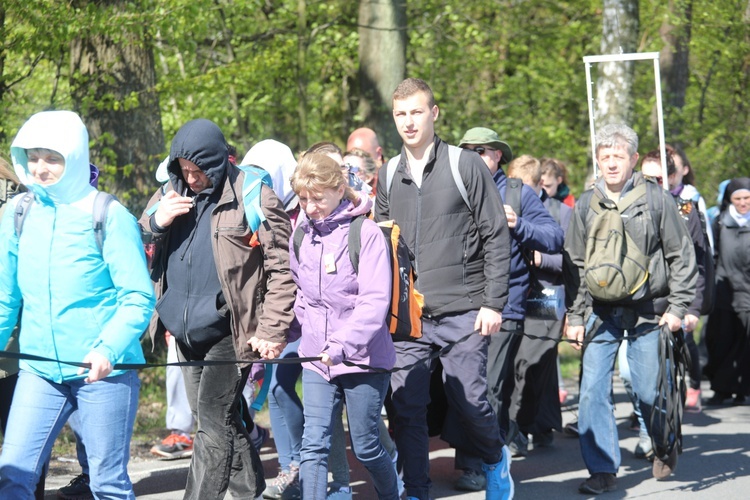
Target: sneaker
634	424
519	446
662	469
644	448
571	429
499	482
471	480
563	395
693	400
261	437
173	447
77	489
293	490
342	493
598	483
280	483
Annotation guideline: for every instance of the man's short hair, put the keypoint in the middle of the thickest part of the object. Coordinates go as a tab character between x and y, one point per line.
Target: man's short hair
617	134
526	167
412	86
324	148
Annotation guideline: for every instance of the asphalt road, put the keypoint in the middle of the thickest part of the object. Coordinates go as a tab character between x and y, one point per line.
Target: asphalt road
715	464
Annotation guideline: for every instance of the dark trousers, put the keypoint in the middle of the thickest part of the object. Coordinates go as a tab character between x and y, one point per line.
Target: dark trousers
728	344
535	404
465	382
223	454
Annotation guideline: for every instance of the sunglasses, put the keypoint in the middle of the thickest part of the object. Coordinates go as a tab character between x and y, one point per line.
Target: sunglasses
482	149
657	178
346	167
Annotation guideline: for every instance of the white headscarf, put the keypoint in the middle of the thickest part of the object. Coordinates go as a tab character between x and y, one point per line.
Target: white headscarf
276	159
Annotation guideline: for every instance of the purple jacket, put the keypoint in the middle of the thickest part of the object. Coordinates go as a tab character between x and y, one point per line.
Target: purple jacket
339	312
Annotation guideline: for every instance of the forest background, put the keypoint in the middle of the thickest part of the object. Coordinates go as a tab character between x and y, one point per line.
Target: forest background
302	71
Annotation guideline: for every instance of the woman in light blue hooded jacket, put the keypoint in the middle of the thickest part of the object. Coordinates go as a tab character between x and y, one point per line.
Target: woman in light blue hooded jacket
80	304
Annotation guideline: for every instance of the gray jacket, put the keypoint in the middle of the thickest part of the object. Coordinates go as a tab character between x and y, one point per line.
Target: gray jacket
672	267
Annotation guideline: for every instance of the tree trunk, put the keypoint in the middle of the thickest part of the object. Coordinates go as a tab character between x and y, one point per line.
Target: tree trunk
112	84
382	64
673	64
614	96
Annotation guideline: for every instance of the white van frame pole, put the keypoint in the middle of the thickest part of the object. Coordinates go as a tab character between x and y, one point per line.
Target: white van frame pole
644	56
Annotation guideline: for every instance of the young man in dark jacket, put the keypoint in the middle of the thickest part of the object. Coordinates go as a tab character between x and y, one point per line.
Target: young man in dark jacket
462	262
533	229
220	289
663	299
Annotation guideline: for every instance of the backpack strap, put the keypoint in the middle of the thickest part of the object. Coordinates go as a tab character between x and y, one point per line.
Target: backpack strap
655	212
390	172
454	154
165	188
355	241
99	213
22	210
254	179
298	236
513	194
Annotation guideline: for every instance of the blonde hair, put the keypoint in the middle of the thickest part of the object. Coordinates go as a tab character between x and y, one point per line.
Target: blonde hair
316	172
6	171
526	167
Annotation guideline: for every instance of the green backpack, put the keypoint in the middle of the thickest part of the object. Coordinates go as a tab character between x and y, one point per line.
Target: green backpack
614	267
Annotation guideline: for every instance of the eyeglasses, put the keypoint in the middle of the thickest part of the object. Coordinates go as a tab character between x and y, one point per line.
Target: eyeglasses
347	167
482	149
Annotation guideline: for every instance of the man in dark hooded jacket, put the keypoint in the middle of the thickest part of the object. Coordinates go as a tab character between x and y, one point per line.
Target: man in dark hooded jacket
221	286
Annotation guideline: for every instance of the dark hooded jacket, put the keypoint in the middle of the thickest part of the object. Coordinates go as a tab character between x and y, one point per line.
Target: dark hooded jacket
214	278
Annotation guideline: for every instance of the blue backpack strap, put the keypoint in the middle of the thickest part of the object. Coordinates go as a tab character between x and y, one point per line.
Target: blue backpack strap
22	209
263	392
99	213
454	154
255	177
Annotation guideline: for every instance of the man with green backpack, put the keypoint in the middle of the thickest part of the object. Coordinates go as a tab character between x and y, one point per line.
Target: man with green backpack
630	270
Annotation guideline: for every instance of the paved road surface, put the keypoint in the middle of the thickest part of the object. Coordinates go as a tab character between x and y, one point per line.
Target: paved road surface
715	464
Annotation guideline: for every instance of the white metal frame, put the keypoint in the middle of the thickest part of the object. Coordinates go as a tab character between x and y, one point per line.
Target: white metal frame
644	56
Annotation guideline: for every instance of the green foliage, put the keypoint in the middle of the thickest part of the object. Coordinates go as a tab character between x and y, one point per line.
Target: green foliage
510	65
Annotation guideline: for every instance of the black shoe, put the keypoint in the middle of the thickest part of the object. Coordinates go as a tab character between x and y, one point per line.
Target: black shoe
739	399
718	399
571	429
598	483
471	481
543	439
77	489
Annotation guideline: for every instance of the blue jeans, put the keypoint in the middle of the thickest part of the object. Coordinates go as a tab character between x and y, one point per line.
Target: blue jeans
596	419
106	411
285	409
364	394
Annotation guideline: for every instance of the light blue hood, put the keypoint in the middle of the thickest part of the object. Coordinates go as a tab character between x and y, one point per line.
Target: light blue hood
64	132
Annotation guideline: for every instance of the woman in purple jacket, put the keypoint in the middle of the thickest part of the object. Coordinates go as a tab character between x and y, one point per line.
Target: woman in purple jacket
340	316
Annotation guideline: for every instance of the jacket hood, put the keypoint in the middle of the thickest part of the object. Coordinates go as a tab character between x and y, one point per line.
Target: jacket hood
276	159
345	212
201	142
64	132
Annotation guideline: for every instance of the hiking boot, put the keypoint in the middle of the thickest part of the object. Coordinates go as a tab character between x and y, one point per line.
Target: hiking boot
662	469
693	400
644	448
173	447
499	482
543	439
598	483
471	480
280	483
77	489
